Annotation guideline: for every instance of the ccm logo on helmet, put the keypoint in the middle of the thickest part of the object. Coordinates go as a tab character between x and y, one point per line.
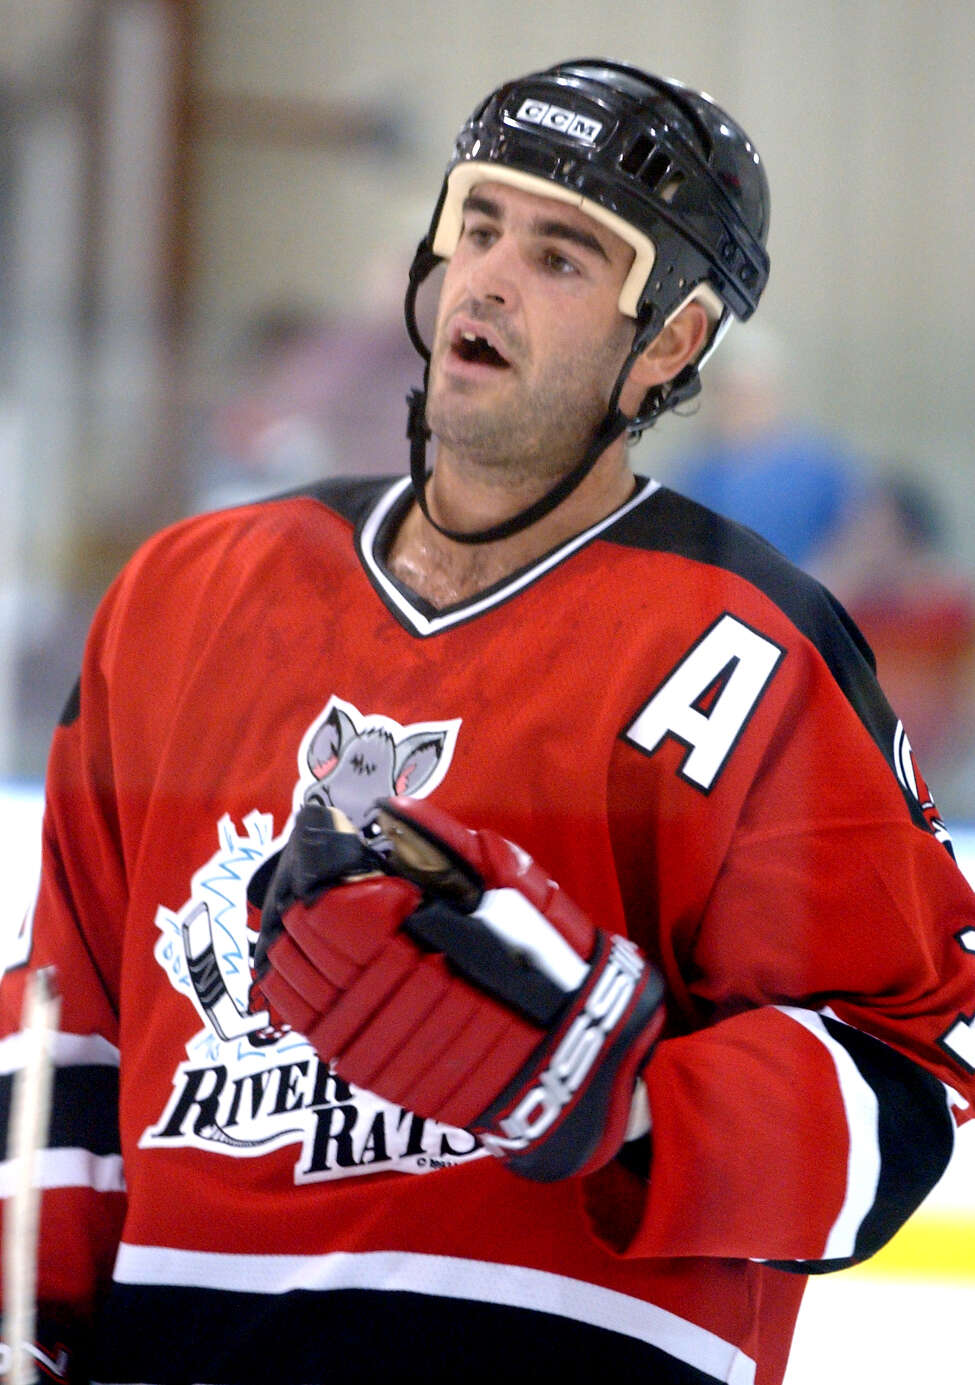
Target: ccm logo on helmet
569	123
541	1107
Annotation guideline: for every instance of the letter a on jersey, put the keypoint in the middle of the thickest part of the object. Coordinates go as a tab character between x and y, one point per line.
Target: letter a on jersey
705	703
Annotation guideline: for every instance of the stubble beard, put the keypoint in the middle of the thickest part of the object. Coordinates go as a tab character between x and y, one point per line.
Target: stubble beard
537	432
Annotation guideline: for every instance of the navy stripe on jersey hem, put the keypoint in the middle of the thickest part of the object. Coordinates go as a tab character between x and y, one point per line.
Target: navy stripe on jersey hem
176	1335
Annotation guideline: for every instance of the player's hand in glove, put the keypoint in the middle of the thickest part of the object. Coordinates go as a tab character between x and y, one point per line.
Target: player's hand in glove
466	987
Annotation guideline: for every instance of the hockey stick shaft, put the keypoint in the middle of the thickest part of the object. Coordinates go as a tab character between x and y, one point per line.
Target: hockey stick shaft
30	1115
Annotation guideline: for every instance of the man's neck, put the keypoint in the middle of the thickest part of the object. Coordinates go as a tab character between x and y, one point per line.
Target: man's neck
445	572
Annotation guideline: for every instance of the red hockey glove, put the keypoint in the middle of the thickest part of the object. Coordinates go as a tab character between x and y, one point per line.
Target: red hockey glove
491	1003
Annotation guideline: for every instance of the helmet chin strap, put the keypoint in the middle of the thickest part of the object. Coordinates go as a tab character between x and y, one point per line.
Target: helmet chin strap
608	431
614	424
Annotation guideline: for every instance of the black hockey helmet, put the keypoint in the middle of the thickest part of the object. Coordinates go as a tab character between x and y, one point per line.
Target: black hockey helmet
658	163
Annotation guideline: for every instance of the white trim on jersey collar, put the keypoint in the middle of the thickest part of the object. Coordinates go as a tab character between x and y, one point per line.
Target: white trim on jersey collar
432	625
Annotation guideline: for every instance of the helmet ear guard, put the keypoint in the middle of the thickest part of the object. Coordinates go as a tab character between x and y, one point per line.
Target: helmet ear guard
660	165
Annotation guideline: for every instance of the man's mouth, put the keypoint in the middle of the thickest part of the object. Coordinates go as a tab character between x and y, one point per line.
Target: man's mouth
476	349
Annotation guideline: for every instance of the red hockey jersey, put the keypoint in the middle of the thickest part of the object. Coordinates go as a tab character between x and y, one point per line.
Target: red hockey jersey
687	734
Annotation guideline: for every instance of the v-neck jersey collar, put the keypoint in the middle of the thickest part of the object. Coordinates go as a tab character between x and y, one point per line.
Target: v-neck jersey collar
419	615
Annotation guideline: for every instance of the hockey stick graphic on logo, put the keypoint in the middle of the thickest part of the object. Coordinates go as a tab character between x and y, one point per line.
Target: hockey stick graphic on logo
218	1005
30	1114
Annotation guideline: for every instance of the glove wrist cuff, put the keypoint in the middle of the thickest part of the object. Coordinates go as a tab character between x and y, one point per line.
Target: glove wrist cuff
568	1111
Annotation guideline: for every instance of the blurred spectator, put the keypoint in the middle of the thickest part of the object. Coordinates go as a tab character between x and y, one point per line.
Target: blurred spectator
876	539
266	430
307	396
762	465
917	611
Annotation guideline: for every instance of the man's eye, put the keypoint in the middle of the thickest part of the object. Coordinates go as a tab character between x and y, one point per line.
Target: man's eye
480	235
557	263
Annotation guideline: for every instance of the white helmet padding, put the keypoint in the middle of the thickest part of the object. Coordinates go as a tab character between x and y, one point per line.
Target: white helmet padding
464	176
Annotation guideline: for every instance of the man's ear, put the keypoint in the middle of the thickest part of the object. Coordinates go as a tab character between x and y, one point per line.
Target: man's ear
682	340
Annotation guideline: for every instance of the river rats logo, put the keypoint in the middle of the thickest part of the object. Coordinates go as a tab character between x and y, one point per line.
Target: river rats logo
247	1087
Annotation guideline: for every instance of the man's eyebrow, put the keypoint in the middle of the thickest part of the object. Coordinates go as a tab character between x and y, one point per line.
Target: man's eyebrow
563	230
548	226
478	202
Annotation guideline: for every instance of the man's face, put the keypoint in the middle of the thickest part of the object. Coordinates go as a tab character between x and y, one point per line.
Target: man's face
529	338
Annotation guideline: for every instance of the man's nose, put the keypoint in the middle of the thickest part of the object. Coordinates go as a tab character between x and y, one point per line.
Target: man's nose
493	275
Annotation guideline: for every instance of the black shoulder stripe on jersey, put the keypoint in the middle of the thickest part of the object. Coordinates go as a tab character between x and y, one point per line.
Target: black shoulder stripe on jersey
352	497
72	708
915	1135
157	1334
349	496
673	524
84	1108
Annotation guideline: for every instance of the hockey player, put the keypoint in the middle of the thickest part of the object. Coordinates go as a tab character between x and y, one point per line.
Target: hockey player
614	971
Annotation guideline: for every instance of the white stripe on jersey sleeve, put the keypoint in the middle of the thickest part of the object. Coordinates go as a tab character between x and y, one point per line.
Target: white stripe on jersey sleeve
514	1286
862	1121
67	1051
68	1168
